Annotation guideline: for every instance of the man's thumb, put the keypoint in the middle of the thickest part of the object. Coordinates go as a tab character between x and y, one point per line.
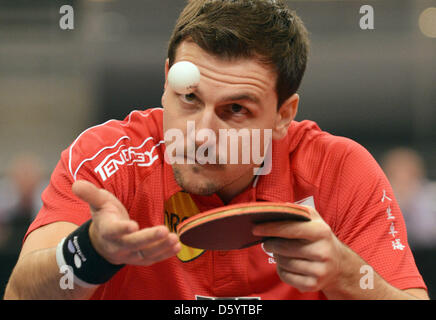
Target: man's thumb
89	193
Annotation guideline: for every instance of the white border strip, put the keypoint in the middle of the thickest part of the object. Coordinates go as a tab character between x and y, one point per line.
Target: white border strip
141	113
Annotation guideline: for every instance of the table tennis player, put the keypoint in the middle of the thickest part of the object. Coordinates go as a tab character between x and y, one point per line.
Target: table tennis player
114	201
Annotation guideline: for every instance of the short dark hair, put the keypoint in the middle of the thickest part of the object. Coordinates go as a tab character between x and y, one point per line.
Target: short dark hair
230	29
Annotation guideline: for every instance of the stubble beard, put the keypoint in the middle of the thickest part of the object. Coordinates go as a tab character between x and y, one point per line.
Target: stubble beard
203	188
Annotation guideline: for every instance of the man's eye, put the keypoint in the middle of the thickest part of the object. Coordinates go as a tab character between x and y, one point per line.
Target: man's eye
188	98
238	109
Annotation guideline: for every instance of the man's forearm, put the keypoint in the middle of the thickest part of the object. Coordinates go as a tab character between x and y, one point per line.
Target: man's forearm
37	276
353	284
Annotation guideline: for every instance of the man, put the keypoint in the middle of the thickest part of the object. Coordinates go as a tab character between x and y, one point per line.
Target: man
251	56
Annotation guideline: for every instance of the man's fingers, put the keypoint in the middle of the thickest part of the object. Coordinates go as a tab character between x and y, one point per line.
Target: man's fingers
145	260
303	283
312	211
145	237
314	229
156	251
119	238
157	248
167	253
308	230
98	199
290	248
112	229
283	229
300	266
89	193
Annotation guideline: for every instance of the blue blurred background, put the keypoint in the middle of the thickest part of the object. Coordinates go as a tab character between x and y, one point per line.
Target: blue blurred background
374	86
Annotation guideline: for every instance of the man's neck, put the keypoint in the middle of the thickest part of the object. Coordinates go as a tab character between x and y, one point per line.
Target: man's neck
230	191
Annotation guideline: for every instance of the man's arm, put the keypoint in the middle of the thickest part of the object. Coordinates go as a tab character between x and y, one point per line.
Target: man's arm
36	274
112	234
311	258
348	283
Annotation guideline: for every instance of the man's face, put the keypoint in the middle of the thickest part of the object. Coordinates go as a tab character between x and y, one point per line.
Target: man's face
237	94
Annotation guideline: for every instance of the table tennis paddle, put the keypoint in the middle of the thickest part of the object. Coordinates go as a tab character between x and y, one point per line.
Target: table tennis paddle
230	227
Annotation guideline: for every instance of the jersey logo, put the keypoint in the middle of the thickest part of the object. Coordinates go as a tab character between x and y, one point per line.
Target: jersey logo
271	259
177	209
127	156
123	155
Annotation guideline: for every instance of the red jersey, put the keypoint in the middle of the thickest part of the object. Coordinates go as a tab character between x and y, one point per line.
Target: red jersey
334	174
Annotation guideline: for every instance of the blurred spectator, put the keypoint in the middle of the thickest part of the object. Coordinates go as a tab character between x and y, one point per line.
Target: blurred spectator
19	201
416	195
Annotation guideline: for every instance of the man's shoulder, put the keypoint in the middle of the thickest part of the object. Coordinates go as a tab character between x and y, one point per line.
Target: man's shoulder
115	143
137	125
314	151
307	138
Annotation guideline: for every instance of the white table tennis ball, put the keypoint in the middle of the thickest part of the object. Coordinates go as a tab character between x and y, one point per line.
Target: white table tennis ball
184	77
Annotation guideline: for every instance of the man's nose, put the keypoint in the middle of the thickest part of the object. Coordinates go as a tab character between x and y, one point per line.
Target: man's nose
207	119
206	124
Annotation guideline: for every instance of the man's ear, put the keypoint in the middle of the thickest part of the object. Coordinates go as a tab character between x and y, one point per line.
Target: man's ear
286	113
167	69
